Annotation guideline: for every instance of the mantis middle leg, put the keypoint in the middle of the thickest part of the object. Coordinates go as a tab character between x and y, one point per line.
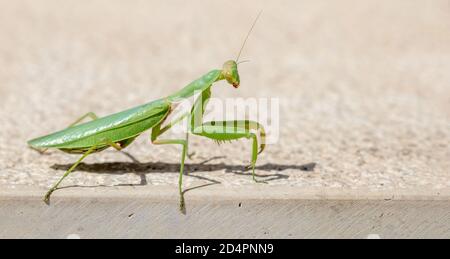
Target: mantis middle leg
158	131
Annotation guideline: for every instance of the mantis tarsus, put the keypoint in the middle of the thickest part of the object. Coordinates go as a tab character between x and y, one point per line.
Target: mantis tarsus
120	129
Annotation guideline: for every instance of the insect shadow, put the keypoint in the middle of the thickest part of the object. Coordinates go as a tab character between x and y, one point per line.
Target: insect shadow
142	169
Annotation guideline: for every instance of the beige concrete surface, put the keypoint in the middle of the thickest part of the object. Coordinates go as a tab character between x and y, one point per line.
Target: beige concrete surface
364	90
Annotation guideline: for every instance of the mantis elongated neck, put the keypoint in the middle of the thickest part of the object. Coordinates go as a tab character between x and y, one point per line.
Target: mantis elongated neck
197	86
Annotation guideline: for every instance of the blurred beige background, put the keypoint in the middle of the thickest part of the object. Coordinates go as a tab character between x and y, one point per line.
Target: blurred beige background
364	88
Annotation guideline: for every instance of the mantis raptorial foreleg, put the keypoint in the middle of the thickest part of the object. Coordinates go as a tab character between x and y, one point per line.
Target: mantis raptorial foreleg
232	130
70	170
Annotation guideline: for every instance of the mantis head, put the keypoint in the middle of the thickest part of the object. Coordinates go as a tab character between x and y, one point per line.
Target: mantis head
231	74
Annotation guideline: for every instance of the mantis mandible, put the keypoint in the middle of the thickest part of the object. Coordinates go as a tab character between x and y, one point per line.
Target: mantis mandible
119	130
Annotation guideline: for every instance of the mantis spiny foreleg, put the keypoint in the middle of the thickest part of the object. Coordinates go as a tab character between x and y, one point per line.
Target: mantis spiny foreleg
226	130
233	130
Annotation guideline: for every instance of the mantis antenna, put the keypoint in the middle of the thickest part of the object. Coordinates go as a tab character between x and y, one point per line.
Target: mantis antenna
243	61
248	35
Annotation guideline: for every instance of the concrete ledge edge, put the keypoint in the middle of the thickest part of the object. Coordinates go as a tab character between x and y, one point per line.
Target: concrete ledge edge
259	192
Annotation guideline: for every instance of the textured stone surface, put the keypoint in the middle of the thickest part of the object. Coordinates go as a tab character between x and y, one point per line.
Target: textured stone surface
363	86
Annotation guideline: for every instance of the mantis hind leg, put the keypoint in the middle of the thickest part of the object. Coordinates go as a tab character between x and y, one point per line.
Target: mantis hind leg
70	170
55	186
91	115
222	131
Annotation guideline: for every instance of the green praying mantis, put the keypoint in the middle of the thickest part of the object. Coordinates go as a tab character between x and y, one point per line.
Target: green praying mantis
119	130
